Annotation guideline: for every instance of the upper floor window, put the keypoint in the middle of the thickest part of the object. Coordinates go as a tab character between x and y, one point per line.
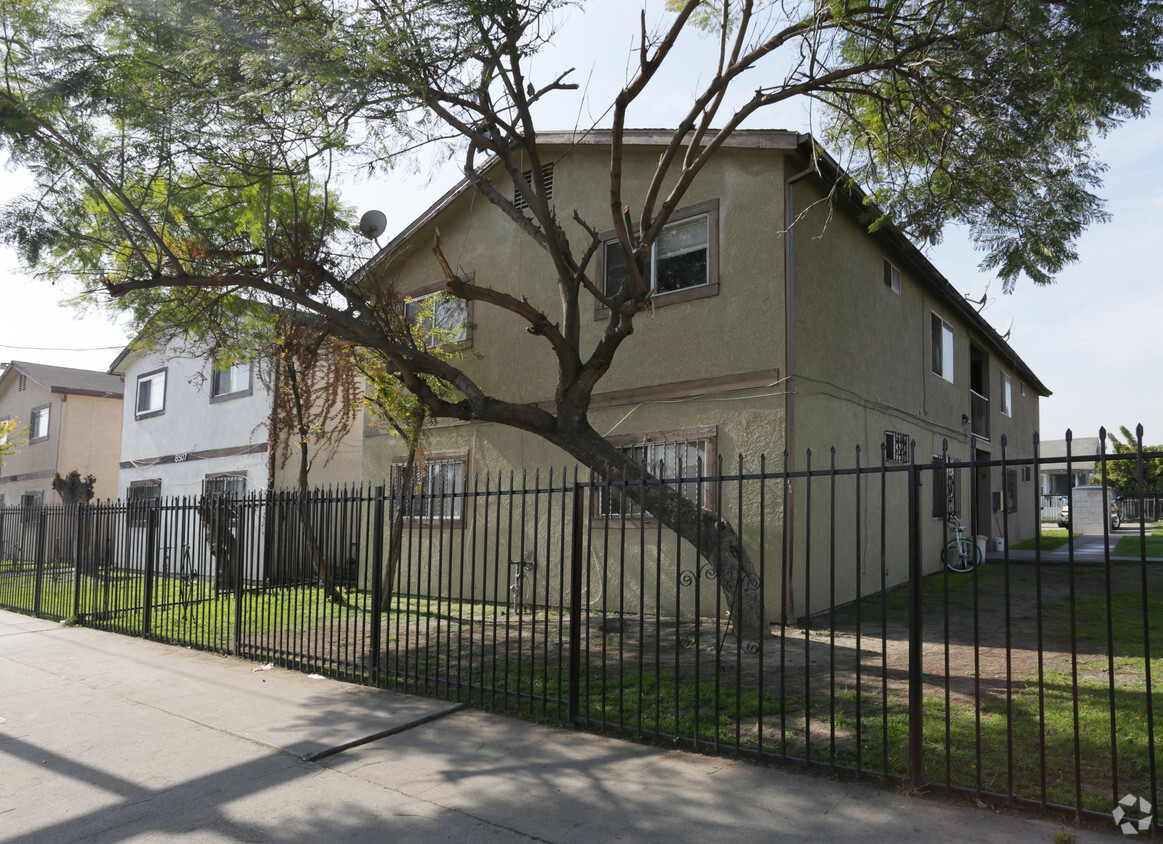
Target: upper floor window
942	343
151	394
683	263
438	318
38	426
230	382
892	278
1007	395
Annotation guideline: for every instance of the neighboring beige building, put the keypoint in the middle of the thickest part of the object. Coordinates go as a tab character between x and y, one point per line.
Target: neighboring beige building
832	337
72	419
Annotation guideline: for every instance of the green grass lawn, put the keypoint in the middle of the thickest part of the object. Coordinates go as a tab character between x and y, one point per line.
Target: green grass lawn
1052	539
1130	546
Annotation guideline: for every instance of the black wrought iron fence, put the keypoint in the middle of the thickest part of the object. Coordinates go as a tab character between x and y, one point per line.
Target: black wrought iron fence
880	646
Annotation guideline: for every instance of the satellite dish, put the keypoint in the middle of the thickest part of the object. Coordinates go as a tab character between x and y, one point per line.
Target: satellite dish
980	299
372	224
1009	326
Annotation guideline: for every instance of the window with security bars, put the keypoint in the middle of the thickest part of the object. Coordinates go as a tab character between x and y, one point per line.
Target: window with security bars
138	496
546	176
896	447
946	491
31	503
224	486
682	461
1011	490
436	492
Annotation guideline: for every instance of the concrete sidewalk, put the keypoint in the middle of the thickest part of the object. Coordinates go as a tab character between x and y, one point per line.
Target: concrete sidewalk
107	738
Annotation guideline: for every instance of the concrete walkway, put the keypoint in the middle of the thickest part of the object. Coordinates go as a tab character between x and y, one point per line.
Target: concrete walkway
1088	548
107	738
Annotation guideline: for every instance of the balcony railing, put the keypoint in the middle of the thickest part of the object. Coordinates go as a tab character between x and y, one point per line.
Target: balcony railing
979	415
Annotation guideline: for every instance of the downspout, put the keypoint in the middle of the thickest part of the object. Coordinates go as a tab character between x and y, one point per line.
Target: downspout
789	335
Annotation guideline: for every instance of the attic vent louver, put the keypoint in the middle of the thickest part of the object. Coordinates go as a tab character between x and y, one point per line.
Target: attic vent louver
546	174
22	384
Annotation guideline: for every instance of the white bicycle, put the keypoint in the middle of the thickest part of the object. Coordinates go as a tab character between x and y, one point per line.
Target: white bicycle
960	554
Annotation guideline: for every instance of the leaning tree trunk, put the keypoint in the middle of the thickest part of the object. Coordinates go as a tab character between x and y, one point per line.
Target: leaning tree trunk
396	535
715	539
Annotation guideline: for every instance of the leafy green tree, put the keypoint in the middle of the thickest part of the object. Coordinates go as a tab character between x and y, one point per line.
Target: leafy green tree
12	437
182	151
1125	473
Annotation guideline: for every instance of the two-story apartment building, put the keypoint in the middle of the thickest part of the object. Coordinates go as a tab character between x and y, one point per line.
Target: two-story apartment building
69	419
190	427
779	323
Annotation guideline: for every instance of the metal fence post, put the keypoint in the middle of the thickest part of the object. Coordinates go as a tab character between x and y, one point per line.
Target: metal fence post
575	600
377	574
38	562
82	513
151	518
916	664
237	561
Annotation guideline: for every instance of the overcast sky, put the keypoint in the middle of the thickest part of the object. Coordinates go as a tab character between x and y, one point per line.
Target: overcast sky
1093	337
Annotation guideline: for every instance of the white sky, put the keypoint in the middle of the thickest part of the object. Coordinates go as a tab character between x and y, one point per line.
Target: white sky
1093	337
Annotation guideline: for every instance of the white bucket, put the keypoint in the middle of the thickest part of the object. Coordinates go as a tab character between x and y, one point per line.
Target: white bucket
999	544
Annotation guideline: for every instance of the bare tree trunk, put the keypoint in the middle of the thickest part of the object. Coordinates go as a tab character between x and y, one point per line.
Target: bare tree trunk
326	576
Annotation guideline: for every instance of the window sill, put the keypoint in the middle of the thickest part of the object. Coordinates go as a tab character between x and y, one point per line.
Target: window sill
673	297
238	394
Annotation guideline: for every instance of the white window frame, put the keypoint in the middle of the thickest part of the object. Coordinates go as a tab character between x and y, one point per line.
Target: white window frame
892	277
38	424
1007	395
449	313
941	346
157	403
709	211
230	383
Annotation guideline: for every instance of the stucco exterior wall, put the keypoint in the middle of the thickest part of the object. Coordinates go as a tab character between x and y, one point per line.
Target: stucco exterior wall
84	434
32	469
92	428
192	437
862	367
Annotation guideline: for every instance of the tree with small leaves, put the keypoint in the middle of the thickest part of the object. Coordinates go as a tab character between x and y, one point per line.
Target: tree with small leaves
156	134
1124	473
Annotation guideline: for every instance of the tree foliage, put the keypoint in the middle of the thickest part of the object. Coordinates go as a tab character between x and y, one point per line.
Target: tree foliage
12	437
183	154
1126	475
